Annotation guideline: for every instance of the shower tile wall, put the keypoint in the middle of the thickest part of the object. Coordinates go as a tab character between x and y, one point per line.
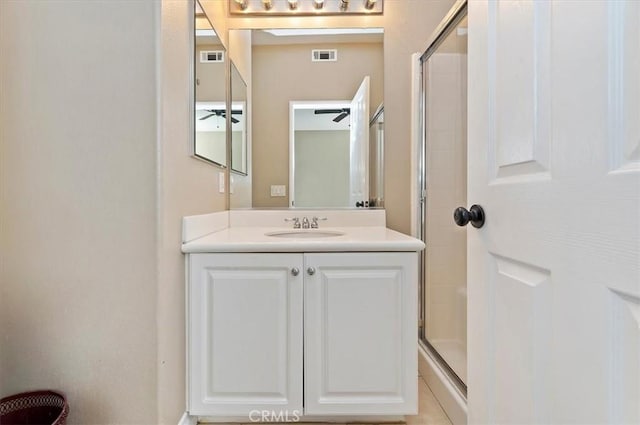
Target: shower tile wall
446	257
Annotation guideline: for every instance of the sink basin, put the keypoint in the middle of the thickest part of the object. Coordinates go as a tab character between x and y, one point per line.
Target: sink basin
299	234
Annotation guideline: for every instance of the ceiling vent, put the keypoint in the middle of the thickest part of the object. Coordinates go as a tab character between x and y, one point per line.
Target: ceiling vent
208	56
326	55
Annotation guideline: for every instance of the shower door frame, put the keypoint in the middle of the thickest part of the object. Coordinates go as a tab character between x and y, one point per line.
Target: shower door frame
457	13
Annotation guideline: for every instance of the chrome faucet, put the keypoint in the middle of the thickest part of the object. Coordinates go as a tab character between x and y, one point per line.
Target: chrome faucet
305	223
296	222
314	221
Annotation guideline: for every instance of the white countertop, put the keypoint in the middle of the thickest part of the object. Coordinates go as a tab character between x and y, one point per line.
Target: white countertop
254	239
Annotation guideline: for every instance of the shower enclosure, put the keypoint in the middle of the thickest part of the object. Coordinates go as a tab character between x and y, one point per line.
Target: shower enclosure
443	187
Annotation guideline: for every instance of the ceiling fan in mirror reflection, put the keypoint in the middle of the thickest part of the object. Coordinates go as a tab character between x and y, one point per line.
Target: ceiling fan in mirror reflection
220	113
342	113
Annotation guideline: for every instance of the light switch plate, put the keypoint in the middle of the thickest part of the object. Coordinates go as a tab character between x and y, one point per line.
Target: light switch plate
278	190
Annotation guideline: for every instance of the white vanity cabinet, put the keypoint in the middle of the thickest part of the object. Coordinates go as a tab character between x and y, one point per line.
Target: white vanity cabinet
360	333
244	333
253	317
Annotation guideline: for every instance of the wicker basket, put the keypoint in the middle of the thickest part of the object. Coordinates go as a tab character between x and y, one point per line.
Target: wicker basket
34	408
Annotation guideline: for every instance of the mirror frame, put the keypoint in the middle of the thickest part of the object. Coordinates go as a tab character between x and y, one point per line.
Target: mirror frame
245	141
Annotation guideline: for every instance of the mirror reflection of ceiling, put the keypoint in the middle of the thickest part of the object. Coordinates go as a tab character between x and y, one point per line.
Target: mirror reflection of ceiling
320	35
205	34
206	37
308	120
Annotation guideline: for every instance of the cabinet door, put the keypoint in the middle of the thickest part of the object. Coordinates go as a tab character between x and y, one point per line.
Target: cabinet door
245	333
361	333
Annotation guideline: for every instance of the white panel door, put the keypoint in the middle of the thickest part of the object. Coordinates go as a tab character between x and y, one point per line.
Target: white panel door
360	333
359	144
245	333
554	159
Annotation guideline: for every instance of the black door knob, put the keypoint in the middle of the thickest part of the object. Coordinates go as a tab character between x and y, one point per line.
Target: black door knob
360	204
475	215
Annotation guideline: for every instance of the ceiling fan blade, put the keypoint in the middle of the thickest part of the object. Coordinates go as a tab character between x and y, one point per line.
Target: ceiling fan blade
234	120
328	111
340	117
205	117
236	111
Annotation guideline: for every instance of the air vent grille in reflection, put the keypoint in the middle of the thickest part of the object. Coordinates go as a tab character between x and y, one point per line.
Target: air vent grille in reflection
326	55
207	56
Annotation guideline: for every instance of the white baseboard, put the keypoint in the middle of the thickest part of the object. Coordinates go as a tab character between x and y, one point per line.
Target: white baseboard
451	400
188	420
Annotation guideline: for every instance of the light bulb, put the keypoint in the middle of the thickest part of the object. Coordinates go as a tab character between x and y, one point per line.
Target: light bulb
344	5
369	4
242	4
267	4
293	4
318	4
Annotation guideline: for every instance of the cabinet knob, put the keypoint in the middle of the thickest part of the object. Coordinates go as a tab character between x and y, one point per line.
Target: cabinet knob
295	271
311	271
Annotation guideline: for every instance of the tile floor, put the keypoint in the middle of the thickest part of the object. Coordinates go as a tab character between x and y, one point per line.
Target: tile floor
429	410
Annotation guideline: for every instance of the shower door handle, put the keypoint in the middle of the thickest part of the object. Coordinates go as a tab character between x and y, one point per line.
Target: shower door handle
475	215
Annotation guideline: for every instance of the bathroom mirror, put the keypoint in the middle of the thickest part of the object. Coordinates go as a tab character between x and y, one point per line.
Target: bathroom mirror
239	118
210	107
294	162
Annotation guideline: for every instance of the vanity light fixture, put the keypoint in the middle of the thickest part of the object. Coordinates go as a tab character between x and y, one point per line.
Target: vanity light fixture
242	4
304	7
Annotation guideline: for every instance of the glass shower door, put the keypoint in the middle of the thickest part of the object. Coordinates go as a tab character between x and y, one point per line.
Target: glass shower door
444	290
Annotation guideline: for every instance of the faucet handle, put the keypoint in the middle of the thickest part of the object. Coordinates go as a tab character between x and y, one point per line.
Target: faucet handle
314	222
296	222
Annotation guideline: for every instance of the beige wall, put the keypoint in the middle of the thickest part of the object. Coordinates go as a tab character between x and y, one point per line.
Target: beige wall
93	186
408	25
211	76
78	276
186	186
